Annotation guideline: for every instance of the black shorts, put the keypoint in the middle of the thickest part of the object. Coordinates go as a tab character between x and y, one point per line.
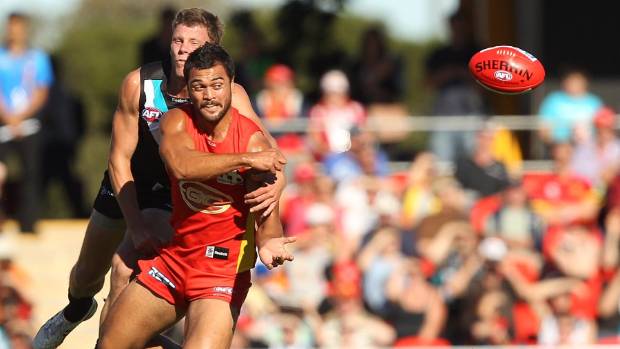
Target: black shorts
155	196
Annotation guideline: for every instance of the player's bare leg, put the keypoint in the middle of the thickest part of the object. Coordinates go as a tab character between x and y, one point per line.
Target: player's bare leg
210	324
124	261
101	239
136	317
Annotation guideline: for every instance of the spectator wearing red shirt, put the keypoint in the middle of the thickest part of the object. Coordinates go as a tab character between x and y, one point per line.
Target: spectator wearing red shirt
280	100
334	115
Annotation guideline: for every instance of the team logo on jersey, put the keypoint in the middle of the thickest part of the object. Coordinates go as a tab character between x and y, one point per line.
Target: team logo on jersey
151	114
230	178
203	198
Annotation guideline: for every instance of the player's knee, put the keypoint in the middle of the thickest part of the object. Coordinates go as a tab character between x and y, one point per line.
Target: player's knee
121	272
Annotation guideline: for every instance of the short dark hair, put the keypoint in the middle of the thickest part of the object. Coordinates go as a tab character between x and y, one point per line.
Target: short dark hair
18	16
196	16
568	69
207	56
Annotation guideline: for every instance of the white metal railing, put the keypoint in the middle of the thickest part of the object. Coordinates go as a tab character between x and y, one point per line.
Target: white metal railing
425	123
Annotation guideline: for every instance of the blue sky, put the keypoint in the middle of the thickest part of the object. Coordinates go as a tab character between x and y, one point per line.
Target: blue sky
408	19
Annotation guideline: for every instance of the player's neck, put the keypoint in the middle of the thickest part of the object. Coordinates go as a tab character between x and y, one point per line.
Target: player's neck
176	87
216	130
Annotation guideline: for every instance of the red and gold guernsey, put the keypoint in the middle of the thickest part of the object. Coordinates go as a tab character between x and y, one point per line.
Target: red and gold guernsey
214	230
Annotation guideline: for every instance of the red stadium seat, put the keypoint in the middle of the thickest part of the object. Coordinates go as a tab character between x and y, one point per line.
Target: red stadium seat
413	341
609	340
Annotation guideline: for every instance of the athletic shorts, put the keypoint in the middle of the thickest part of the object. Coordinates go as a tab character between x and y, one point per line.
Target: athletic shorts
156	196
179	283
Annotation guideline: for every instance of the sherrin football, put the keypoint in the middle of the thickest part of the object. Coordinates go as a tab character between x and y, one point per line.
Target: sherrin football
507	69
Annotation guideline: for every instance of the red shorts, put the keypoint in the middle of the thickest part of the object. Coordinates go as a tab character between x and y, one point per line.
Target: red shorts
179	283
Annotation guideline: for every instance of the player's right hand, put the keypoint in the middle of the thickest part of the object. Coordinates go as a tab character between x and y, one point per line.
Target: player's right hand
267	160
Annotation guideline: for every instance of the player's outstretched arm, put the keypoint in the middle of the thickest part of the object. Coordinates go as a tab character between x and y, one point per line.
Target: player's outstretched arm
270	238
183	161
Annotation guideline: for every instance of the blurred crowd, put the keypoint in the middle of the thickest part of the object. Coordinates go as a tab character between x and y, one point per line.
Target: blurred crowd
16	310
479	252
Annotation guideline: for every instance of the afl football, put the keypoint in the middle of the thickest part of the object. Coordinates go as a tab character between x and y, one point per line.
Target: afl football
507	69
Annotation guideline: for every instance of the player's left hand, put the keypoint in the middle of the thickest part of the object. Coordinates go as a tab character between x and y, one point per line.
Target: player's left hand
266	197
272	252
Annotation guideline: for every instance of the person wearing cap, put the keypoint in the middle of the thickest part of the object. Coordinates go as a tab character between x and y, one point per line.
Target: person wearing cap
280	100
334	116
598	159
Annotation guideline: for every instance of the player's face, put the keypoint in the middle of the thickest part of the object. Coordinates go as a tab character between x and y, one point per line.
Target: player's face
210	91
184	41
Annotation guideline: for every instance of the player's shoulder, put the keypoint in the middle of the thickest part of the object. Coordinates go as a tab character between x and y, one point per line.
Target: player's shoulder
239	90
177	114
132	78
245	122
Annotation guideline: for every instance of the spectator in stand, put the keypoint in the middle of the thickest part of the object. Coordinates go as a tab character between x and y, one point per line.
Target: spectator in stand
377	82
15	309
306	286
598	158
455	92
25	78
492	324
559	326
378	259
298	198
414	307
480	172
280	100
568	111
419	199
436	233
361	203
288	330
334	116
363	158
157	47
63	127
377	75
349	325
515	222
562	197
255	56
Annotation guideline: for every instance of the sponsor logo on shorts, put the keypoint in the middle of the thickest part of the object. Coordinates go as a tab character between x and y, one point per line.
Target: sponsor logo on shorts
230	178
203	198
225	290
503	75
157	275
217	252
